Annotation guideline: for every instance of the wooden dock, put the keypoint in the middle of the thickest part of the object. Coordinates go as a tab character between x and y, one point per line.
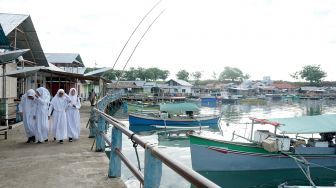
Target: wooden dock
52	164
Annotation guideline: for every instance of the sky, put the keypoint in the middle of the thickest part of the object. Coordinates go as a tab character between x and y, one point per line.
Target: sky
261	37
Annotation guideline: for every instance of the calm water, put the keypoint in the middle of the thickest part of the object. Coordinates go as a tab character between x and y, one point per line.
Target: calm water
233	119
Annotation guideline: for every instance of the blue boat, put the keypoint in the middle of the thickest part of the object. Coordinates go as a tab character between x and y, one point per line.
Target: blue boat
174	115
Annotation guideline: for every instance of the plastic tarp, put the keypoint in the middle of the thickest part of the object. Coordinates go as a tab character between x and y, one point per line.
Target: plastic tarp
178	108
307	124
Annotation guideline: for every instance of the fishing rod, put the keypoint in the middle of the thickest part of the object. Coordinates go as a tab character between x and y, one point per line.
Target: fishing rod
129	58
135	29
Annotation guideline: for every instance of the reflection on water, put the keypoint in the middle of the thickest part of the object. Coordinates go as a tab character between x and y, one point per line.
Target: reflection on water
176	144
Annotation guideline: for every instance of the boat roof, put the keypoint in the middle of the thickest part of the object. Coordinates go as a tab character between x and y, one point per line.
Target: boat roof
307	124
179	108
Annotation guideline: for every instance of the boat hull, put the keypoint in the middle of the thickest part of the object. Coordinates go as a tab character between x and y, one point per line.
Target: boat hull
138	120
213	155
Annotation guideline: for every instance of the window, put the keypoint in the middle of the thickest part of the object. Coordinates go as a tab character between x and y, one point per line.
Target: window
183	90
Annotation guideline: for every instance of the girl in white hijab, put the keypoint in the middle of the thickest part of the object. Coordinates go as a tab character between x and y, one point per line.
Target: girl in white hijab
42	103
73	117
27	109
57	108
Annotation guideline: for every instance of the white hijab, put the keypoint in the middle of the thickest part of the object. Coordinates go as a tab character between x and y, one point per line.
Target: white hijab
59	103
73	98
45	95
30	93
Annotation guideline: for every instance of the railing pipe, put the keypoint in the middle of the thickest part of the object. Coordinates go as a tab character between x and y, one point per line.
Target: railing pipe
190	175
106	139
131	167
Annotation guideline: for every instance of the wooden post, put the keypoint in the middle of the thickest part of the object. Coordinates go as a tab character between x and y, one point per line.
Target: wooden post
115	161
100	142
153	170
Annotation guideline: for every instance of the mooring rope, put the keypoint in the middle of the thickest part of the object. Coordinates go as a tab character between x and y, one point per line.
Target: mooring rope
135	146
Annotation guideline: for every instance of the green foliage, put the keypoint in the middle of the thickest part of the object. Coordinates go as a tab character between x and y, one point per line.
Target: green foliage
233	74
312	73
182	75
112	75
197	76
131	74
164	74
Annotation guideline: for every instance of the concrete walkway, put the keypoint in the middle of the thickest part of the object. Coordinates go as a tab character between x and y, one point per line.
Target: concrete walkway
51	164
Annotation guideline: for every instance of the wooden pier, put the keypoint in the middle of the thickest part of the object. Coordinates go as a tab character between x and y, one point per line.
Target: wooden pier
52	164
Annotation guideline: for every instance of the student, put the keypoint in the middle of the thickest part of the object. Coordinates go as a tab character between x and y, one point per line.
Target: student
42	103
27	110
57	109
73	117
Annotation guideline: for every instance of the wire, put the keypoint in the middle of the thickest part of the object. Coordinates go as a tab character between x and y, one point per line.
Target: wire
129	58
135	29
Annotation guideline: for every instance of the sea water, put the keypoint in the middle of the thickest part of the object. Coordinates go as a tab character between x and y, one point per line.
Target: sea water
234	118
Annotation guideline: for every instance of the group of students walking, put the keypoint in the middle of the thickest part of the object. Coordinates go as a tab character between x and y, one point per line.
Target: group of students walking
62	111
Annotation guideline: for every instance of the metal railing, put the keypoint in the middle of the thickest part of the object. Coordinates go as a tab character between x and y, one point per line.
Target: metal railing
153	157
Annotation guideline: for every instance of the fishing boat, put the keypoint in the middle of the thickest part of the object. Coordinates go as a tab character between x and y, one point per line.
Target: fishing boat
267	150
174	115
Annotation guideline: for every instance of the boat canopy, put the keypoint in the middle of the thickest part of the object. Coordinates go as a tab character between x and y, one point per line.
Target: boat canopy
307	124
179	108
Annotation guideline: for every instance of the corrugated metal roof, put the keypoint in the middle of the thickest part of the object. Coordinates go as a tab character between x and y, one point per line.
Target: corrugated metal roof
11	55
73	59
27	71
10	21
98	72
26	37
4	44
54	68
180	82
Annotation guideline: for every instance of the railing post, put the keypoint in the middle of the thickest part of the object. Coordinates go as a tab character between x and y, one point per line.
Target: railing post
153	170
92	122
100	142
115	162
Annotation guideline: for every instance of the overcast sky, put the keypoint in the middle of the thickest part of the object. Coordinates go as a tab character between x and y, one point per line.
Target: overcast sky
261	37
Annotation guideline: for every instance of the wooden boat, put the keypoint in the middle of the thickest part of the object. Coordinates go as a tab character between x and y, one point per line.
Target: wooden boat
174	115
269	151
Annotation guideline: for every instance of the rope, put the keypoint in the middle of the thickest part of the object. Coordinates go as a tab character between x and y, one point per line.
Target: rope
305	172
135	145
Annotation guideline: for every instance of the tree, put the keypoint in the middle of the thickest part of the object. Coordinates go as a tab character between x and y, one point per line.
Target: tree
112	75
182	75
131	74
233	74
197	76
312	73
153	73
164	74
140	73
214	75
149	74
